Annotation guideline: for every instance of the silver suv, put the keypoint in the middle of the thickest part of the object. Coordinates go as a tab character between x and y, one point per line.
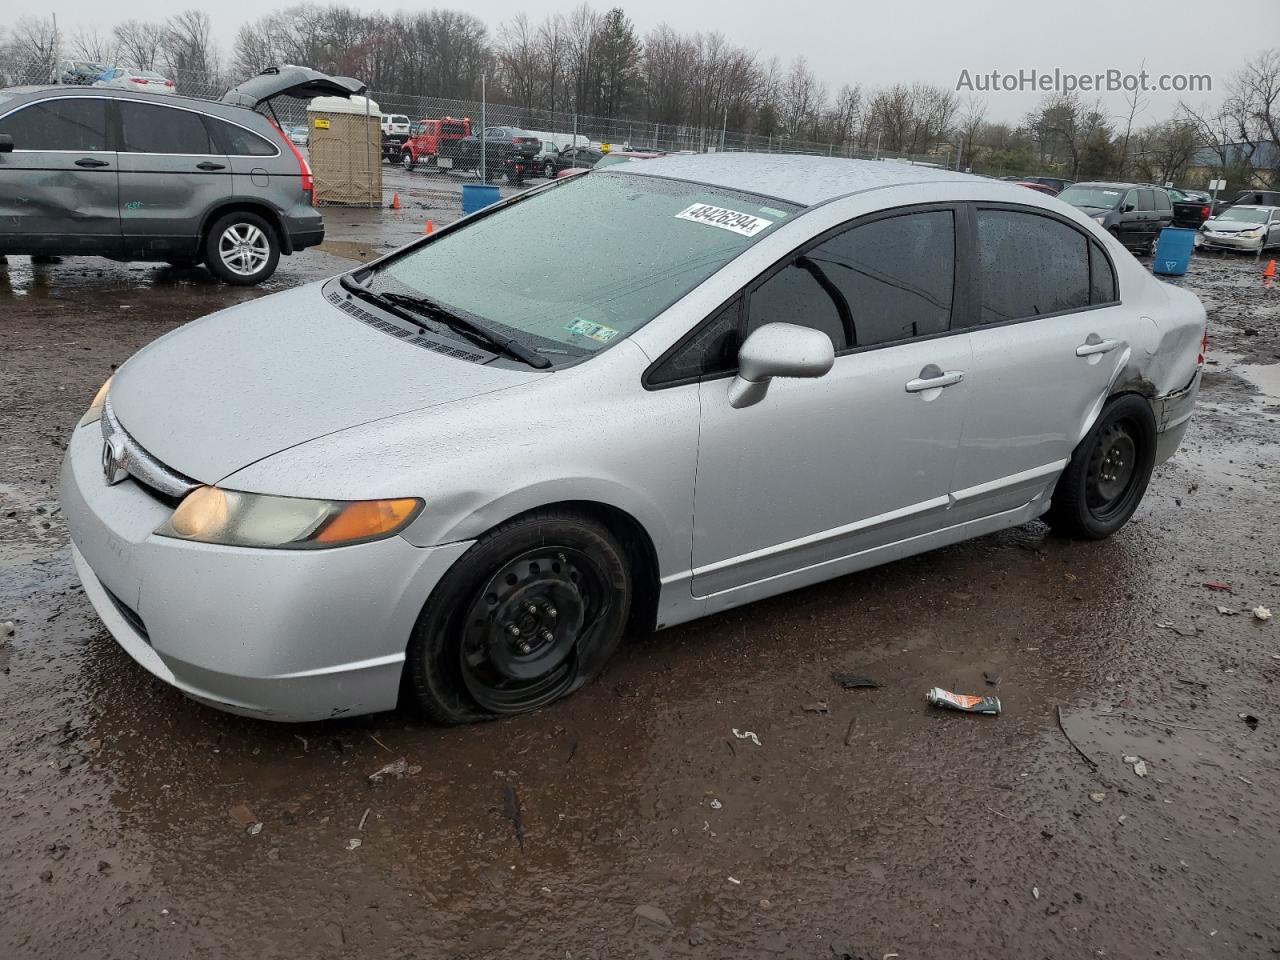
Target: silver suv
137	176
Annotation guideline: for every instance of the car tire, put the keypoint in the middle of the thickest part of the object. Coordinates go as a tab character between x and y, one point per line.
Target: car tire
241	249
1108	473
528	614
549	171
407	161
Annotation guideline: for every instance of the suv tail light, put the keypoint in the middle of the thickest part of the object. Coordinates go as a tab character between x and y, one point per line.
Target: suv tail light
1204	213
1204	346
304	170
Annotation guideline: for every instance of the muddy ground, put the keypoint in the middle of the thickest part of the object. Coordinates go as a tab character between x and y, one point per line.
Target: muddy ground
129	815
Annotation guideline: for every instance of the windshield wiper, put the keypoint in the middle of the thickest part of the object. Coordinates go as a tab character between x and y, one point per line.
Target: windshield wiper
352	285
474	330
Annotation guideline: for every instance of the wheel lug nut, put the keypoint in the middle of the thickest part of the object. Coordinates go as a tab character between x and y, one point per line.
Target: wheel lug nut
531	608
546	635
512	629
550	611
525	648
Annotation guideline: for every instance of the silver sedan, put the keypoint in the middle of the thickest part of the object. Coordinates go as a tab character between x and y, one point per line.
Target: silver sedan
631	398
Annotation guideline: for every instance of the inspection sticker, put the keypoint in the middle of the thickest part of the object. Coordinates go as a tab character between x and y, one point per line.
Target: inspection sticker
596	331
743	223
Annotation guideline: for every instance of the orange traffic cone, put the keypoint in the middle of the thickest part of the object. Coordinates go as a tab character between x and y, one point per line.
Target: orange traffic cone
1271	269
395	201
428	228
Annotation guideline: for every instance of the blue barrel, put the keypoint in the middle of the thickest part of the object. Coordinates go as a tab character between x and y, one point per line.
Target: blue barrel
1173	251
477	196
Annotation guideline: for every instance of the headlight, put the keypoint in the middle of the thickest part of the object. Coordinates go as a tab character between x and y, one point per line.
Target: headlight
1255	232
94	413
213	515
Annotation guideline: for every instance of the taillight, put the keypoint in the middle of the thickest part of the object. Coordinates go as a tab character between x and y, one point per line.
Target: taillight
304	170
168	83
1204	347
141	80
1204	213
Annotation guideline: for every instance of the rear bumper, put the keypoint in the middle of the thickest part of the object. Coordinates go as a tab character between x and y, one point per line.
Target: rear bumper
306	230
1173	416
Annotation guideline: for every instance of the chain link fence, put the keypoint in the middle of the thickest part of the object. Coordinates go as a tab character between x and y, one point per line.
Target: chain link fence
555	129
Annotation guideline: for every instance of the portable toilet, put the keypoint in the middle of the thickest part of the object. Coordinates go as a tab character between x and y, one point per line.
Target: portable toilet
344	139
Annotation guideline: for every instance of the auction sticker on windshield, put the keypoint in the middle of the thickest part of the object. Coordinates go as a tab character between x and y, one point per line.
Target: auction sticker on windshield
725	219
596	331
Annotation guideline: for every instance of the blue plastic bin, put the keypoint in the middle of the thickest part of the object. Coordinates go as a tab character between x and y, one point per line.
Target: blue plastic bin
477	196
1173	251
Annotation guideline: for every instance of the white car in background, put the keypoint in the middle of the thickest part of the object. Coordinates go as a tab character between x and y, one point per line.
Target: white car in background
126	78
1249	228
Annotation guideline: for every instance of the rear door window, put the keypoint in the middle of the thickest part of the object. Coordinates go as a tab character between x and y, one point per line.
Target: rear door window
1029	265
878	282
1146	199
236	141
149	128
1162	201
66	123
1102	277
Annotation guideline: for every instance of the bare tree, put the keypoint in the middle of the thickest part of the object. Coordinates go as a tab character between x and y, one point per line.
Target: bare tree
970	123
1137	104
187	46
553	50
139	43
518	60
34	48
87	43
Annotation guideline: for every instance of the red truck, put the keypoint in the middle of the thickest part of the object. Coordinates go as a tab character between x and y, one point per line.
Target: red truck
423	146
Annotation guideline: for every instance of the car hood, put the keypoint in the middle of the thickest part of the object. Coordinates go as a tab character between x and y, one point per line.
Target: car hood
1229	226
290	81
223	392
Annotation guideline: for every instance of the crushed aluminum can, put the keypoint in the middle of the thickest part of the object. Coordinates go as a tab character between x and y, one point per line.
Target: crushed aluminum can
965	703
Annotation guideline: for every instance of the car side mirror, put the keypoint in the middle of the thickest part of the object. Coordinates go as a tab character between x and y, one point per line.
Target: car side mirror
1127	208
778	350
6	143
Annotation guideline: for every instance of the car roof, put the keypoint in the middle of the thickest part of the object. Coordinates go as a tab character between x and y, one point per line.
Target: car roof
795	178
75	90
1121	184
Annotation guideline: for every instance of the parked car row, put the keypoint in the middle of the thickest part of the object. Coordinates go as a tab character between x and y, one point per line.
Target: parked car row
126	174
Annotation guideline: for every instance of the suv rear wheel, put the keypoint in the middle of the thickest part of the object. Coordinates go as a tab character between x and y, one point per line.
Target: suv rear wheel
407	161
241	249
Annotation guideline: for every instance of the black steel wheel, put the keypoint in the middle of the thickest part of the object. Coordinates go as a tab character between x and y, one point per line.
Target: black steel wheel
527	615
1108	473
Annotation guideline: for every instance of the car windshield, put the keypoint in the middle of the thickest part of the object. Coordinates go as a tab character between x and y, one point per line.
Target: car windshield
1085	196
1243	215
588	262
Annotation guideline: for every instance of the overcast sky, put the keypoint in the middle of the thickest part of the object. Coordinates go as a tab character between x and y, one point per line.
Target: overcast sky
879	43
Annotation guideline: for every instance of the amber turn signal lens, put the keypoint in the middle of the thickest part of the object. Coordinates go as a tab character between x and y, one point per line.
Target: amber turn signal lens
202	513
367	518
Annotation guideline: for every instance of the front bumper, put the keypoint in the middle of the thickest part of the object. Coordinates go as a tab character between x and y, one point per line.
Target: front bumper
287	635
1222	241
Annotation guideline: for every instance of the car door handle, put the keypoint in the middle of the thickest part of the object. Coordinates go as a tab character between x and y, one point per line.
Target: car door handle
208	165
92	162
934	379
1094	346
